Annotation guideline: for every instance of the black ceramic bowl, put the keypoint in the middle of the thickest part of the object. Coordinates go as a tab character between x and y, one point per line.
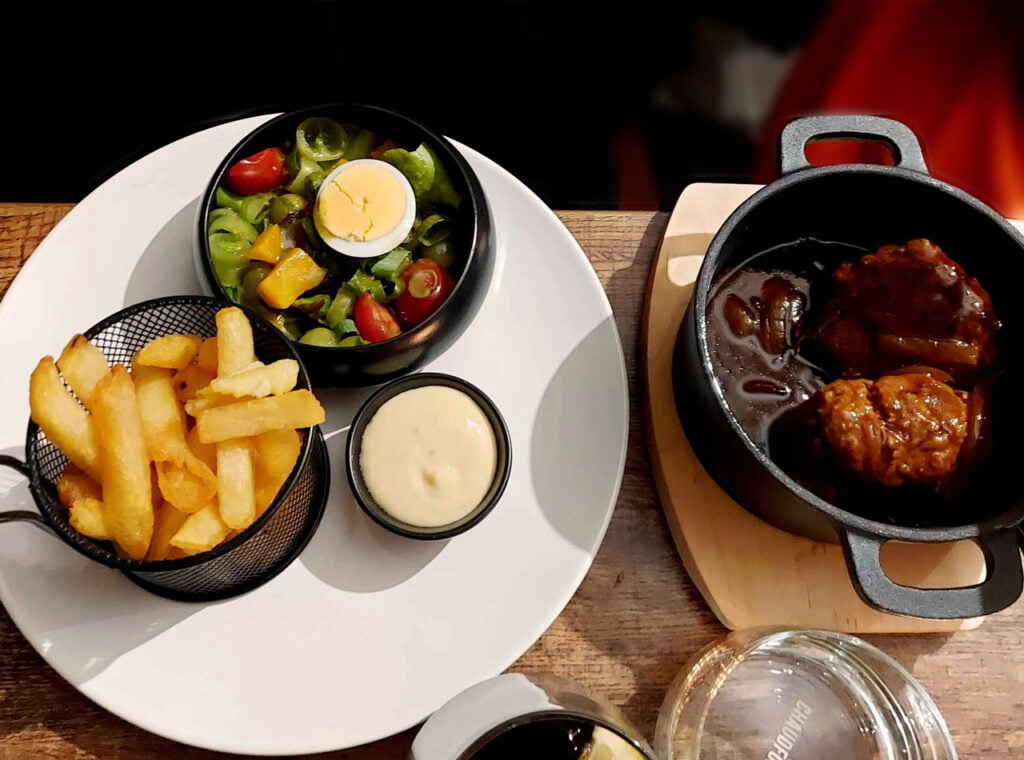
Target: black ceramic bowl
472	235
355	443
866	206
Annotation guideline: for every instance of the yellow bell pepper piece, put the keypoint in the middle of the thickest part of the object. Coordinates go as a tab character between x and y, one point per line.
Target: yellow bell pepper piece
292	275
339	162
267	247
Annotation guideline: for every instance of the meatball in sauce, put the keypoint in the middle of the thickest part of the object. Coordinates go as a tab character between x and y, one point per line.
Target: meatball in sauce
895	430
908	304
859	370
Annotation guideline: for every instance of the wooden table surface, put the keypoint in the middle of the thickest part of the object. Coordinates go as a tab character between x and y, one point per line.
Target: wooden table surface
633	623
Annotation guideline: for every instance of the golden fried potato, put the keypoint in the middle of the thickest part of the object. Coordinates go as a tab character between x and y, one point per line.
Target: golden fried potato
65	423
235	350
296	409
202	531
168	522
127	493
74	485
207	358
83	497
266	380
188	486
206	452
277	451
200	403
170	352
82	365
237	490
190	381
88	518
163	420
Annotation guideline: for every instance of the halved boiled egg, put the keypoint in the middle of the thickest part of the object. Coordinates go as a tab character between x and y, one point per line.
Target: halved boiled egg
364	208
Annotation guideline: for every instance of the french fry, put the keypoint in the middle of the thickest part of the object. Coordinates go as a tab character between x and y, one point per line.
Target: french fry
296	409
88	518
265	380
200	403
163	422
188	486
74	485
127	494
190	381
277	451
168	522
202	531
83	497
169	352
207	358
235	350
206	452
236	493
82	365
59	416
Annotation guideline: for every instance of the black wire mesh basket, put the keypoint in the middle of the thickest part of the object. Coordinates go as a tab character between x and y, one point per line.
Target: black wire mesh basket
243	562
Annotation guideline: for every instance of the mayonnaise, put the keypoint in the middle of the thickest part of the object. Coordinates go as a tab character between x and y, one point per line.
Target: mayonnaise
429	456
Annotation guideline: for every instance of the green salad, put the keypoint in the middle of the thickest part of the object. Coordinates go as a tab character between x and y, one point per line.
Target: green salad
336	237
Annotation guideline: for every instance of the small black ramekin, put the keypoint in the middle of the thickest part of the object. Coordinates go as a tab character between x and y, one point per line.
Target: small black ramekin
355	446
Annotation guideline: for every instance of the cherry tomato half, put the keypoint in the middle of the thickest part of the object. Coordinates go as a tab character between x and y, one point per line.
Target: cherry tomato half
426	287
374	321
258	173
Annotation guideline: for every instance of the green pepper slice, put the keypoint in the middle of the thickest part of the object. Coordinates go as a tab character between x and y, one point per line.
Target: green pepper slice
319	336
227	199
285	205
441	189
341	307
361	146
254	208
390	265
321	139
301	170
227	256
443	254
417	167
226	220
315	307
362	282
434	229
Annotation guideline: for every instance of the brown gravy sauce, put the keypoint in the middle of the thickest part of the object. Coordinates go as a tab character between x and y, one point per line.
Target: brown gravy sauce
755	313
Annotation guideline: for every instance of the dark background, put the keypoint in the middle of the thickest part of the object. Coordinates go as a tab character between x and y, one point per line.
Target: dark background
547	90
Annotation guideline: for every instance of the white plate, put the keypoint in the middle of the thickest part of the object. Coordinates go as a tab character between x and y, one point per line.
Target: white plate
366	633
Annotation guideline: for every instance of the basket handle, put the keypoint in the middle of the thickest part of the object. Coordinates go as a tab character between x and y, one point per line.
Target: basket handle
21	515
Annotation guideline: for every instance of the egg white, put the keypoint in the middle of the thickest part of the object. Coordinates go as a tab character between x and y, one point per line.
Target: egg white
365	249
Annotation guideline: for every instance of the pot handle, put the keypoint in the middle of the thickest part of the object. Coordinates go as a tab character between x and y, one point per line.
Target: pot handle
898	136
19	515
1001	587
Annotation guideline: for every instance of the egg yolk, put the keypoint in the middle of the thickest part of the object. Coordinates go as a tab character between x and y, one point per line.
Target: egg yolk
362	203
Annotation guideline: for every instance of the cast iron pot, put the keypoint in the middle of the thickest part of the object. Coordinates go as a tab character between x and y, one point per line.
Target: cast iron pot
868	206
472	235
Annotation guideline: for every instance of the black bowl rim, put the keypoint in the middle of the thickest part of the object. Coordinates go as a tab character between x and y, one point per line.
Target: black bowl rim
408	338
702	287
123	563
355	477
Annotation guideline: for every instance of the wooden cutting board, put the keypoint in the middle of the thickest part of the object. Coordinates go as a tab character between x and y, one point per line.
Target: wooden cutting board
749	572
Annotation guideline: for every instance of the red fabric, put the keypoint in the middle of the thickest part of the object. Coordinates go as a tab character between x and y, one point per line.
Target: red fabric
946	69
